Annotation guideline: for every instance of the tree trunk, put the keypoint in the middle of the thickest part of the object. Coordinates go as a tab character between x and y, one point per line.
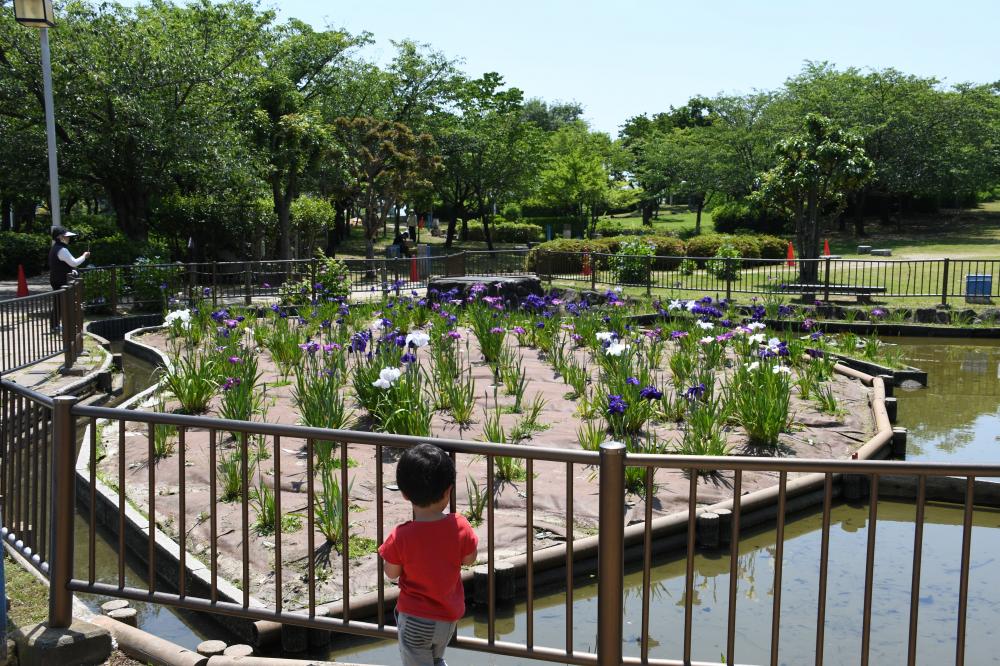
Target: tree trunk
132	213
647	213
452	223
700	206
464	233
487	234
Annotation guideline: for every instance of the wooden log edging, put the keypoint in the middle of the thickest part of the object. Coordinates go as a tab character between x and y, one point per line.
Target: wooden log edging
669	532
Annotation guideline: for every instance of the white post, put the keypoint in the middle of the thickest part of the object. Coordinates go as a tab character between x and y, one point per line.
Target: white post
55	208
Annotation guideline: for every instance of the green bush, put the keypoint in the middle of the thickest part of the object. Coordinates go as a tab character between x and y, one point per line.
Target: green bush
578	226
29	250
707	245
333	280
117	250
772	247
91	226
152	281
97	290
736	215
506	232
512	211
630	264
725	265
668	251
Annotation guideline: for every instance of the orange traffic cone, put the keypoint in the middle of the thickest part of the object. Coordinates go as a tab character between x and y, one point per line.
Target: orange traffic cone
791	254
586	264
826	247
414	273
22	283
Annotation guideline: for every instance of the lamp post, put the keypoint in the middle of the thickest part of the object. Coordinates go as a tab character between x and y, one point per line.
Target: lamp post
39	14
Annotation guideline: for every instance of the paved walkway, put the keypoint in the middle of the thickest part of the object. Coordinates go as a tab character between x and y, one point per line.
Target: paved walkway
36	285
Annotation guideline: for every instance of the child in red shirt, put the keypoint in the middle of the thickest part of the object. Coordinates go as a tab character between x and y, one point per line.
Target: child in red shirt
426	554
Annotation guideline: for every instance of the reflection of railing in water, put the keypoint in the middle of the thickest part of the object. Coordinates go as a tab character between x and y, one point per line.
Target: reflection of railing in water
796	480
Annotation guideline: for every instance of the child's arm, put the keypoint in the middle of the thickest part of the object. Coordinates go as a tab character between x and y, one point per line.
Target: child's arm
392	571
470	558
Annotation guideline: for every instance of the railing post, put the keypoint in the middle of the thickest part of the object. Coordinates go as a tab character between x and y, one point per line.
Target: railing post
944	282
729	278
611	554
78	313
68	322
190	271
63	493
649	278
215	283
246	285
548	266
114	289
826	282
590	258
383	277
312	278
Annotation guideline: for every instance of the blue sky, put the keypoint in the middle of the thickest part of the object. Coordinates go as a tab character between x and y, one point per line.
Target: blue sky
623	57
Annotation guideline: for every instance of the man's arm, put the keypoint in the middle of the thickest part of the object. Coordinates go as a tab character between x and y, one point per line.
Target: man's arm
67	257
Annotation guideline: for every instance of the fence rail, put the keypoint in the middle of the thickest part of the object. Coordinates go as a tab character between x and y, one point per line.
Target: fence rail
37	328
40	432
150	286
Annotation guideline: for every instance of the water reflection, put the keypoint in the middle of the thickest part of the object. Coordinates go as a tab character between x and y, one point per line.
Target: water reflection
848	539
957	417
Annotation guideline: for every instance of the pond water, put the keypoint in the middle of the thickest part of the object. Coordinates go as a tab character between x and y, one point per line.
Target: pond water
956	419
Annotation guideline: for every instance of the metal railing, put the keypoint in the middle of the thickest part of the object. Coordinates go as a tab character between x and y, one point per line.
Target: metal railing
937	279
37	328
151	286
32	421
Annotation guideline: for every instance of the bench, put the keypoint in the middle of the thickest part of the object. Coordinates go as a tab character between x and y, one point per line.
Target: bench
862	293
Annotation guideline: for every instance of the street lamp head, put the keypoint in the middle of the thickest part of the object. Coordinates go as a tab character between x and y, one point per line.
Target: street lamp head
34	13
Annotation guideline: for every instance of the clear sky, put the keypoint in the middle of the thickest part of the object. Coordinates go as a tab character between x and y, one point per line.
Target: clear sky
620	58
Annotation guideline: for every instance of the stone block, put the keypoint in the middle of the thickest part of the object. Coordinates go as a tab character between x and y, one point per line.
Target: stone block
864	249
882	252
211	648
503	578
240	650
80	644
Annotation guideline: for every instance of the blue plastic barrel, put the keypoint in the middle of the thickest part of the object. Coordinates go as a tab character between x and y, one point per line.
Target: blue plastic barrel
978	288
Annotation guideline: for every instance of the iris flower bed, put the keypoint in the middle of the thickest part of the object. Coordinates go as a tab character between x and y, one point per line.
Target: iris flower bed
559	370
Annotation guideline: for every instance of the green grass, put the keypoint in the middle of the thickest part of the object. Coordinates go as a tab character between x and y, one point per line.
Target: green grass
672	219
29	598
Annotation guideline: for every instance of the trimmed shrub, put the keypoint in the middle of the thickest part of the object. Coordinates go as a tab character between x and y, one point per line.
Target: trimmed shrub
29	250
667	249
333	280
512	211
724	266
707	246
506	232
772	247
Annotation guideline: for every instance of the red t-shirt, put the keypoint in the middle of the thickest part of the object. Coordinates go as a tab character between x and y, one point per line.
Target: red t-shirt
431	554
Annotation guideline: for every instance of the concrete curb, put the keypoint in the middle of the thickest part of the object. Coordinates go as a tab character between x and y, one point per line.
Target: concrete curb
197	574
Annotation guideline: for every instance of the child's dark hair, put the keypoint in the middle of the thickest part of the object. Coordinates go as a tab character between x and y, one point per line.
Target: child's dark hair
424	473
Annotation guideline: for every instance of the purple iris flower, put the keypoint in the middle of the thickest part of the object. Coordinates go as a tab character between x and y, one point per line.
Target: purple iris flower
650	393
616	405
695	392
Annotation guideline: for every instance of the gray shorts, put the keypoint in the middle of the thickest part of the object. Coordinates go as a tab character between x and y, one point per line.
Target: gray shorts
422	641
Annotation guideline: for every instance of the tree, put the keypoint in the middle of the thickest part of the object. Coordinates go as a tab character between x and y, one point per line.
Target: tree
384	159
814	172
285	122
141	94
693	161
551	117
577	175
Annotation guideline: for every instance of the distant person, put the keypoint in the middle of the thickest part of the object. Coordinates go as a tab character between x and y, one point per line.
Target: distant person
427	554
401	241
62	264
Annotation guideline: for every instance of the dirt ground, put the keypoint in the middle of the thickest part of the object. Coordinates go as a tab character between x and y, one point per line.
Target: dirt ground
815	435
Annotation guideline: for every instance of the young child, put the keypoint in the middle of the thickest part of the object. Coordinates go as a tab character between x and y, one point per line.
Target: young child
426	554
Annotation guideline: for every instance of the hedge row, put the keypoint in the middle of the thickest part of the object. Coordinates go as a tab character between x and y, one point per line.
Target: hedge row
506	232
669	250
29	250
